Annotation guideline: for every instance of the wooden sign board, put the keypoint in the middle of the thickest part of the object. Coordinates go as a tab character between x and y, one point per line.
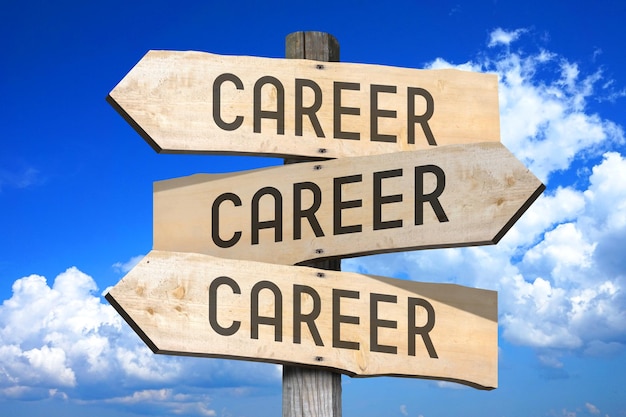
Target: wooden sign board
196	102
457	195
198	305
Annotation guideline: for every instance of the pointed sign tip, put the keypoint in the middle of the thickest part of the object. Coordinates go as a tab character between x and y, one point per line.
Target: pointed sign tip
120	310
120	110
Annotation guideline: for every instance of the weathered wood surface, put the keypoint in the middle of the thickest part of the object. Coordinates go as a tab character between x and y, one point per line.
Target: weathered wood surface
457	195
169	97
198	305
318	46
312	391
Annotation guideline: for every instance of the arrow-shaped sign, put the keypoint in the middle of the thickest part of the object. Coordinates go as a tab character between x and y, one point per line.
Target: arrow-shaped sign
457	195
198	305
195	102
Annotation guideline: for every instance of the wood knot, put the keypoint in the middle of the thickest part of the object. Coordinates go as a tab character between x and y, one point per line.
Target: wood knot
179	292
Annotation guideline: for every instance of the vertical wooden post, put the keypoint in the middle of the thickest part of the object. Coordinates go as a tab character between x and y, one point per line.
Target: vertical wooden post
312	392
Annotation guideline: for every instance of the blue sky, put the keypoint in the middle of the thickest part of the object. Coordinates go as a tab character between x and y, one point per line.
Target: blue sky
76	203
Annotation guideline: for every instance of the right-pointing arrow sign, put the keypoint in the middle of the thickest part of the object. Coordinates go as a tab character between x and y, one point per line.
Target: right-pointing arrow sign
457	195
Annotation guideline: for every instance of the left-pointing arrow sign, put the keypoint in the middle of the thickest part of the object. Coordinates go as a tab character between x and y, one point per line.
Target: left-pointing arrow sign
195	102
198	305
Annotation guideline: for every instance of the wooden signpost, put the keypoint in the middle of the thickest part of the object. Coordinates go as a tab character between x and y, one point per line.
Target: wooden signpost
451	196
198	305
394	186
196	102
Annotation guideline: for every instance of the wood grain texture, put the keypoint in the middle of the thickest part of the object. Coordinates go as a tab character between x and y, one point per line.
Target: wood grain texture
486	190
312	392
317	46
168	98
166	298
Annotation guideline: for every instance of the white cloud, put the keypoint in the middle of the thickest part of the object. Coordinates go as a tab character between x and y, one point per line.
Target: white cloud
561	270
51	363
179	404
551	208
143	365
545	121
142	396
61	339
562	249
22	177
550	361
592	408
502	37
125	267
403	410
64	324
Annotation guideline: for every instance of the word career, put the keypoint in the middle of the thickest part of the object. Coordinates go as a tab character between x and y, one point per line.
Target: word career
225	297
268	89
455	195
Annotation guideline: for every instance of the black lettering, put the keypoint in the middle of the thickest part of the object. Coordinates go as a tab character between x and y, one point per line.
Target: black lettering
338	110
217	104
299	213
379	199
256	319
421	119
279	114
376	113
309	111
338	319
215	220
224	331
424	330
375	323
276	223
432	198
338	205
309	319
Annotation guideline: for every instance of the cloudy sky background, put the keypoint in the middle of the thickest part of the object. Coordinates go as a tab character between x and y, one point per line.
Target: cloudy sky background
75	207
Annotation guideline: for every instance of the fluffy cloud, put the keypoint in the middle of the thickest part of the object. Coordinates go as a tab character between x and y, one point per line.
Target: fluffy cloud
545	120
124	267
62	341
592	408
45	330
168	399
502	37
560	271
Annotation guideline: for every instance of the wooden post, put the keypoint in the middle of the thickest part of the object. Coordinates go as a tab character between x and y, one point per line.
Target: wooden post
312	392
